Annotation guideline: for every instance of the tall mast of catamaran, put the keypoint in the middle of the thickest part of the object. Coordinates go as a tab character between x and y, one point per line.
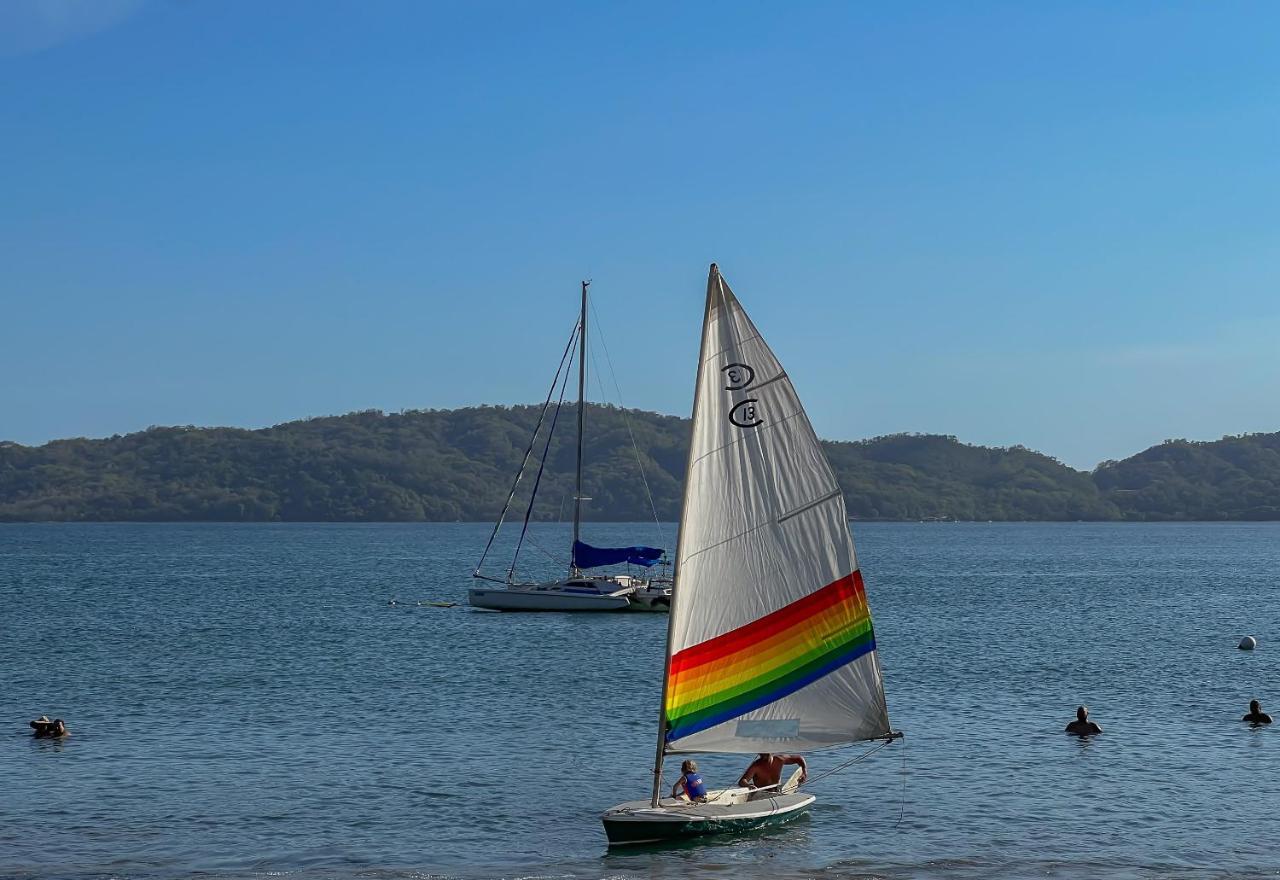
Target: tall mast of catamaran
770	646
582	385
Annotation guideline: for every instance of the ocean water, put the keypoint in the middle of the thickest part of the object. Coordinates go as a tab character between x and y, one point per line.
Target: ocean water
244	702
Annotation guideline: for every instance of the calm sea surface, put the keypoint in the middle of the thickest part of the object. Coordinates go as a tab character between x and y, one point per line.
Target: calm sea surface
245	703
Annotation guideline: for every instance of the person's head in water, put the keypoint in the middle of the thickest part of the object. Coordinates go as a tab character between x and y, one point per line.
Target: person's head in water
689	767
1082	726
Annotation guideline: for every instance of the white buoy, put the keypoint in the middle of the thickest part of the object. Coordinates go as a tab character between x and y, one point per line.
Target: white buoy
1248	643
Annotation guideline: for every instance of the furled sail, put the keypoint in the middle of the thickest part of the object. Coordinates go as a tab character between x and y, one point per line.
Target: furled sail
586	556
771	646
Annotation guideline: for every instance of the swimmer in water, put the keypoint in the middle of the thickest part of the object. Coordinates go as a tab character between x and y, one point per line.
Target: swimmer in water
1256	715
1082	726
46	729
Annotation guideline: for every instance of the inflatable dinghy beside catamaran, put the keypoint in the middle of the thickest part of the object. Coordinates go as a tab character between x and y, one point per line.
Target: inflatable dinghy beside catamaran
770	646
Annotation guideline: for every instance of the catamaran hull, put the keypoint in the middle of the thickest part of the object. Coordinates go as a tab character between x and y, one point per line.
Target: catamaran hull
651	600
521	600
638	822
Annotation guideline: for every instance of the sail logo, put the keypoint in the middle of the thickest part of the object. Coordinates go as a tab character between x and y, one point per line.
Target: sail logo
744	414
739	376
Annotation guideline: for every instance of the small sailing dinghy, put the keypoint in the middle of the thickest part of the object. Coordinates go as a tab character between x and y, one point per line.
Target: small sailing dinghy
769	645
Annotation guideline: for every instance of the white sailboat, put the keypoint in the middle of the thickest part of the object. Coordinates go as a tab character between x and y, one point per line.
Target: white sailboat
580	590
770	647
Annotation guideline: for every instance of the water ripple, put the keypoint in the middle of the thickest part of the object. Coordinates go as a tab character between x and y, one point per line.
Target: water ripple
246	704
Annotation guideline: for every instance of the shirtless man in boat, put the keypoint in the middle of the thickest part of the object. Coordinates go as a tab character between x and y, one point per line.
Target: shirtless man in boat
1082	726
766	770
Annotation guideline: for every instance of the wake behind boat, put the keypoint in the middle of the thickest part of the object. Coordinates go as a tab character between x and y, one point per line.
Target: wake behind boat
579	591
770	646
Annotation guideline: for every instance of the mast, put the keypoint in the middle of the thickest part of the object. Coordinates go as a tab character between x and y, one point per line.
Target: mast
713	277
582	384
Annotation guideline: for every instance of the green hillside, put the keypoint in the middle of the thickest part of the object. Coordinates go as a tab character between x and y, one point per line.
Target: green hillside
458	464
1231	478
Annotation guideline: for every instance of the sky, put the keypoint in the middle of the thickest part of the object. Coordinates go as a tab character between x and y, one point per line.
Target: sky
1055	225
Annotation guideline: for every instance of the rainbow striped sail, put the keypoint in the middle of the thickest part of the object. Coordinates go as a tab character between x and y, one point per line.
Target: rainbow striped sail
771	646
769	658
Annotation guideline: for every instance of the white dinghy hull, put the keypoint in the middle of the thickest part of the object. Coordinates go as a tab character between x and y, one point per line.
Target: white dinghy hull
727	812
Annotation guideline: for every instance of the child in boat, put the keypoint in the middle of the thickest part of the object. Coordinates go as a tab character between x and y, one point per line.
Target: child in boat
690	784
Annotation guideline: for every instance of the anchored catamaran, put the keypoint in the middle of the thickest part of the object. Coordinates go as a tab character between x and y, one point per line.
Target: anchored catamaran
770	646
580	591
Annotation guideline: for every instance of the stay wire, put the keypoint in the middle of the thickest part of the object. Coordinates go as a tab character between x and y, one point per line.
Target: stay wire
533	439
545	552
524	529
627	421
902	804
856	759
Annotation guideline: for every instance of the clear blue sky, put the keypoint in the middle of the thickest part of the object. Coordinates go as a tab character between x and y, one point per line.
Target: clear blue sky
1054	225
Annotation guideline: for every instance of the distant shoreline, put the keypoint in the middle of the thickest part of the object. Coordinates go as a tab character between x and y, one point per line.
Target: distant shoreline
458	466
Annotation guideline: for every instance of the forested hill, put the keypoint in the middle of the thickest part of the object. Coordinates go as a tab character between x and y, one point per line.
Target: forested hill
1231	478
458	465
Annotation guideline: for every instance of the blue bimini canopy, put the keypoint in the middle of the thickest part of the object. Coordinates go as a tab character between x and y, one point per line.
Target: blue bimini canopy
586	556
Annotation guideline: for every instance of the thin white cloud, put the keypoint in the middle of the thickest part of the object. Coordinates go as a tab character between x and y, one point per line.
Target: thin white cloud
28	26
1228	342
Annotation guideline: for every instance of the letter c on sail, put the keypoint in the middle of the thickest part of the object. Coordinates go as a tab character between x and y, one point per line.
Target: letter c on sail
744	414
739	376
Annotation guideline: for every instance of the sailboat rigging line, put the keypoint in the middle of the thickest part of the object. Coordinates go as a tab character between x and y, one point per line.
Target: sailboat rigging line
546	447
533	439
902	804
847	764
582	408
545	552
626	419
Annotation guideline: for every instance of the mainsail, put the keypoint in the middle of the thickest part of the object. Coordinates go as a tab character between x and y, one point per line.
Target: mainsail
586	556
770	646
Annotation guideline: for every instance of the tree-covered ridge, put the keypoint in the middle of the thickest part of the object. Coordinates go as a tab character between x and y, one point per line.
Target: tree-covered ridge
366	466
1235	478
458	465
921	476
